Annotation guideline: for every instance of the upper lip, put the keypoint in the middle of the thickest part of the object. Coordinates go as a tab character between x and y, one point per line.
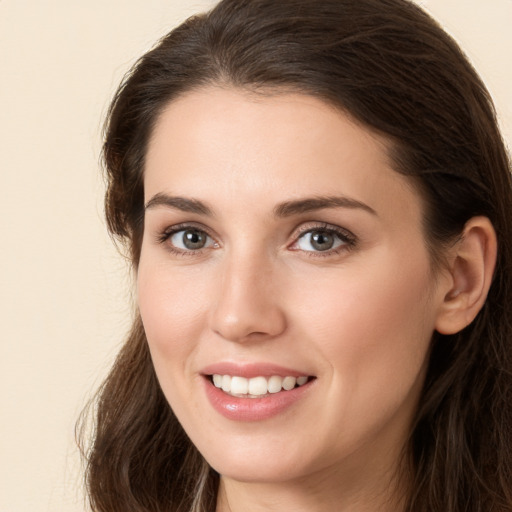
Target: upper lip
250	370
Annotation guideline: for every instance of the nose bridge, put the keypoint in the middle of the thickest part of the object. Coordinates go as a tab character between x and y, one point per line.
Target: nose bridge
248	303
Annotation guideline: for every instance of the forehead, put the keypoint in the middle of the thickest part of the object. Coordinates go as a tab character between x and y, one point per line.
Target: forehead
266	149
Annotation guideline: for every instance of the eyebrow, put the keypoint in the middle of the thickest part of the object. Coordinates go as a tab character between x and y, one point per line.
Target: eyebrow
179	203
286	209
306	205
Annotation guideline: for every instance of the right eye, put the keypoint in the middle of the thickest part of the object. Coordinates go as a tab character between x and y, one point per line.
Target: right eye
190	239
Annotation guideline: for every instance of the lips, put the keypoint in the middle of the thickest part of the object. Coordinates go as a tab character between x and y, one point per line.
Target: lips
254	392
249	370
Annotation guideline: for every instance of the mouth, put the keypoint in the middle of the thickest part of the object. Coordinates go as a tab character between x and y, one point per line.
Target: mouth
255	391
257	387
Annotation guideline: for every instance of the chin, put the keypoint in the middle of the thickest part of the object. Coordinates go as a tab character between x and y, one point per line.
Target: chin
271	462
257	472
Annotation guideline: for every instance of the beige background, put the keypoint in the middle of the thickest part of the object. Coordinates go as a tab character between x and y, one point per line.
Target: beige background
64	301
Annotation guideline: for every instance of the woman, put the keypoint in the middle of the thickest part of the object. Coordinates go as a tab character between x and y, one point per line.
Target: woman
317	203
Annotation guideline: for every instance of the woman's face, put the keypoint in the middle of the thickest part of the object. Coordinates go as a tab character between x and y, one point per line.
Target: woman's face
281	248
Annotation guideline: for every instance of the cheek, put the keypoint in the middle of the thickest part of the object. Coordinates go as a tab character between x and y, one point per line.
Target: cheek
171	309
374	325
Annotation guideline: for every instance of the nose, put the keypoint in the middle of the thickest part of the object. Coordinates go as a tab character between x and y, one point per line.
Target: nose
248	302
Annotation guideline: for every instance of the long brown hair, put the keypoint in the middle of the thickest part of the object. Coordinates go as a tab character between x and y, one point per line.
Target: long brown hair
391	67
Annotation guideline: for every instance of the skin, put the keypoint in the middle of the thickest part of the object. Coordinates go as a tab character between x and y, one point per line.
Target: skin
359	318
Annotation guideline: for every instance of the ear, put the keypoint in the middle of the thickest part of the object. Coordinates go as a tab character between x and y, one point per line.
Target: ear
471	266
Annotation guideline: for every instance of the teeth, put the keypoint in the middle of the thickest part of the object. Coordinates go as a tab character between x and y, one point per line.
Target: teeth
275	384
257	386
289	383
301	381
239	386
226	383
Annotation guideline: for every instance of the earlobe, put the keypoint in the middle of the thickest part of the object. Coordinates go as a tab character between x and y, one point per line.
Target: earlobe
472	264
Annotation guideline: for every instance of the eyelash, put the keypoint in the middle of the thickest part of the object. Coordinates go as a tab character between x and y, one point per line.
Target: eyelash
164	237
348	239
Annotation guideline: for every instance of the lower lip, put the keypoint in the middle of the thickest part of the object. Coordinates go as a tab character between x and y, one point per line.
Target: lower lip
253	409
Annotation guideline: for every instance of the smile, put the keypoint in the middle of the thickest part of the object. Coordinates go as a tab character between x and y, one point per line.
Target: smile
256	387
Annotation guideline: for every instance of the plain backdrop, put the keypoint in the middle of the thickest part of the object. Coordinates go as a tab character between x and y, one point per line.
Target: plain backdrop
65	302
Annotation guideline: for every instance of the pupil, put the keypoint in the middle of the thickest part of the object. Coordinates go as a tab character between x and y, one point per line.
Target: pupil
322	241
193	239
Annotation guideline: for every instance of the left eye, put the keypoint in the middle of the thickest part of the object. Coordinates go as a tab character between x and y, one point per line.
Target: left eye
190	239
320	240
